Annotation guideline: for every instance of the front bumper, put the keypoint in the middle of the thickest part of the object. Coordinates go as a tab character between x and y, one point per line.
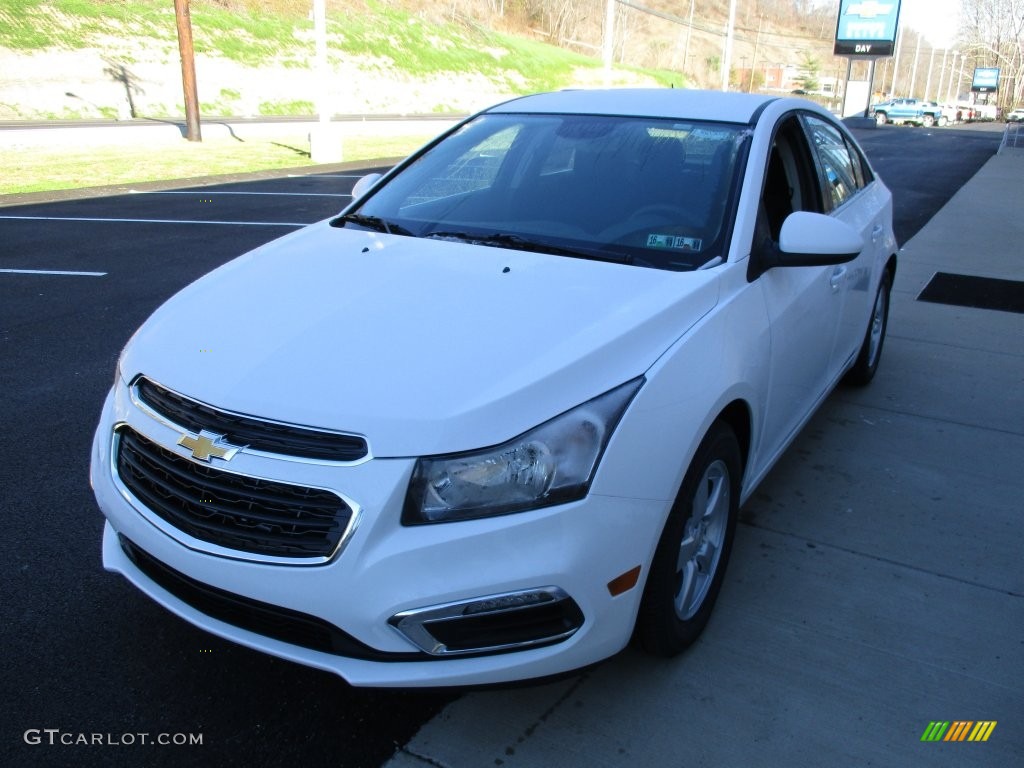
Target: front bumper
561	558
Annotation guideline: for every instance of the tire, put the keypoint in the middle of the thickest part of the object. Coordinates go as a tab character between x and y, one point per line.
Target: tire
927	121
863	370
943	121
881	118
693	551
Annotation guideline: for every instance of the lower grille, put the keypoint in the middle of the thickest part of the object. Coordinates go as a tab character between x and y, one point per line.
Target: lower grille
242	513
265	619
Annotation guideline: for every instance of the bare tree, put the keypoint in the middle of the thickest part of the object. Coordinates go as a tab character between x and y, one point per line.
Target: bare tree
993	36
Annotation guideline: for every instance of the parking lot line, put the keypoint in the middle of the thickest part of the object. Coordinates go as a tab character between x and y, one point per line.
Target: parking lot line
324	176
204	193
159	221
52	272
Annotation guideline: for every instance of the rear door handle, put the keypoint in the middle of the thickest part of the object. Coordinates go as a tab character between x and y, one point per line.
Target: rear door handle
876	233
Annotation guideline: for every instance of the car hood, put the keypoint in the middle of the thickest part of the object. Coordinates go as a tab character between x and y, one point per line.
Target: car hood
422	346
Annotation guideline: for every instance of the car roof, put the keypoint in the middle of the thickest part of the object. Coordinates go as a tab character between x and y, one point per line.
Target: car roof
675	103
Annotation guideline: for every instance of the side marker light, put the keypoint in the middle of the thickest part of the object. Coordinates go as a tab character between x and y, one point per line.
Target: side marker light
624	582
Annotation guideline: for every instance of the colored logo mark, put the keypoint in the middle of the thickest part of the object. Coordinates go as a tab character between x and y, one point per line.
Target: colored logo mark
869	10
209	444
958	730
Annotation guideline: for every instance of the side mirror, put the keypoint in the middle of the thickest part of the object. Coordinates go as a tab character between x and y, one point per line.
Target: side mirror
814	240
365	184
806	240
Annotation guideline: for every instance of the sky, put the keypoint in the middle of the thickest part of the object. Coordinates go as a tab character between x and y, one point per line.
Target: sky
936	19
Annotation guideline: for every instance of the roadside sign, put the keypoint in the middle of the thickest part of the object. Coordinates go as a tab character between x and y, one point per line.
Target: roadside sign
867	27
986	80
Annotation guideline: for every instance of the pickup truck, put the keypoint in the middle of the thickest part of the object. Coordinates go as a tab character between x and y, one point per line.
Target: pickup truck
915	111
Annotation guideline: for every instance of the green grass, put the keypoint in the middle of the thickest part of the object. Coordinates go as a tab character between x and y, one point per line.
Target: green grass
30	25
405	42
48	169
384	37
297	107
248	39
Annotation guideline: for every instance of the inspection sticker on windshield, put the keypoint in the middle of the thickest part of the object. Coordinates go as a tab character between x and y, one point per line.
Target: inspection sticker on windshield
675	242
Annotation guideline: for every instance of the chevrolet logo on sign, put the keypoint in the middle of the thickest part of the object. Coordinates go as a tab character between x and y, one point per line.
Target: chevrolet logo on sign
209	444
869	10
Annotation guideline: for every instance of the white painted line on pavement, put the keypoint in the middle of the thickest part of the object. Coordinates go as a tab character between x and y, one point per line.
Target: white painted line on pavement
51	272
159	221
210	195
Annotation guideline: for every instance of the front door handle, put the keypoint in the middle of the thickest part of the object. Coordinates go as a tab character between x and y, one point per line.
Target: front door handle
836	281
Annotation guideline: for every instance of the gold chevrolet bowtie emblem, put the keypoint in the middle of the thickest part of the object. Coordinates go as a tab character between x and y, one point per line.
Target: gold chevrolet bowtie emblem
209	444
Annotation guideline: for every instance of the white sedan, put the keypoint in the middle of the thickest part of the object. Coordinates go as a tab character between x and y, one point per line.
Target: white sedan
497	418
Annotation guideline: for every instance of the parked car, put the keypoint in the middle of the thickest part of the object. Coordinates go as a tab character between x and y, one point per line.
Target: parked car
1016	115
910	111
977	112
944	114
498	416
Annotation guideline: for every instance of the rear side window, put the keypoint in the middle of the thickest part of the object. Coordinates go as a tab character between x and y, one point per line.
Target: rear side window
842	174
860	165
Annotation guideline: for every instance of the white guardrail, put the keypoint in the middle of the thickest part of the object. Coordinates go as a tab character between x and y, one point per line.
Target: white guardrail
1013	137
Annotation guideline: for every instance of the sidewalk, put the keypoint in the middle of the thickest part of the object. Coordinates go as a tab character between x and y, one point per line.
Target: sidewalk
877	581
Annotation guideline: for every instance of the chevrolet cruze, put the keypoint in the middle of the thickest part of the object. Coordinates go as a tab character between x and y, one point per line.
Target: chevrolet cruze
498	416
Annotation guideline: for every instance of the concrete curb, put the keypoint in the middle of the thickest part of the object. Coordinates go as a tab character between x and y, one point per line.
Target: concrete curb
30	198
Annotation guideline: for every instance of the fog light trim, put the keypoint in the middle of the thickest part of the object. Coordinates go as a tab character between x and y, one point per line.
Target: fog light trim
509	621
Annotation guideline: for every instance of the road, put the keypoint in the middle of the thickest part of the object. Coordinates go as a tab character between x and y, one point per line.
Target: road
86	653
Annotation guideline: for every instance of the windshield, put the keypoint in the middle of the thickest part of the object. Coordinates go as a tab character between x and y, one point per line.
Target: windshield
646	191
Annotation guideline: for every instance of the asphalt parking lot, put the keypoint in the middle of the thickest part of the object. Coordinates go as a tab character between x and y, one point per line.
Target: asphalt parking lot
876	585
82	651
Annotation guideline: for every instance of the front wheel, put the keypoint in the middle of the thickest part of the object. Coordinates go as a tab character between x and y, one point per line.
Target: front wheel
689	563
881	118
863	370
927	121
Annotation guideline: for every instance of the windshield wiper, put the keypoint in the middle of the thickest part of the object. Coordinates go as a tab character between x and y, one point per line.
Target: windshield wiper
506	240
375	223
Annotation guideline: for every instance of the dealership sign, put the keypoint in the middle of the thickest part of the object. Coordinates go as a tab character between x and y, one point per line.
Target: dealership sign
986	80
867	27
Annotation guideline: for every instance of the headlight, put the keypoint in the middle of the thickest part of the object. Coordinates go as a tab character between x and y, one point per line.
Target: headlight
551	464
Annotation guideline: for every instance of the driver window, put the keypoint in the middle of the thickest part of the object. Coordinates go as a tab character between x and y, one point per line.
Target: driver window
789	178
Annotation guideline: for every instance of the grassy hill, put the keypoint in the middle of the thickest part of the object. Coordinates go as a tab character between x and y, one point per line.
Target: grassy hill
92	58
70	59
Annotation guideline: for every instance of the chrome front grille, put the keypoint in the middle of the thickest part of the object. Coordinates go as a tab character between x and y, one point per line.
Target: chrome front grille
257	434
242	513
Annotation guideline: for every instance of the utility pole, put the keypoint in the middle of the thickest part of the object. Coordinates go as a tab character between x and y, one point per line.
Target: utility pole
942	75
689	33
949	85
896	63
928	83
183	19
960	79
609	40
913	72
727	57
325	145
753	62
